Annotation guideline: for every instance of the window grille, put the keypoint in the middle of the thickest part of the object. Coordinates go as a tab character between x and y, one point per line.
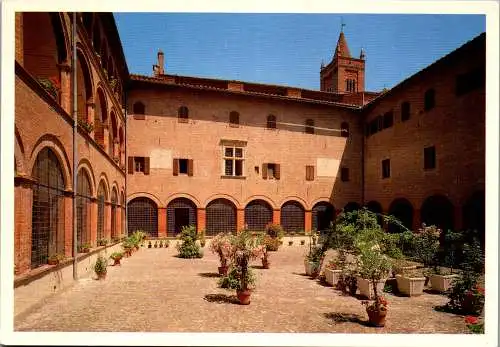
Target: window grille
323	215
292	217
183	114
221	217
271	122
180	212
101	215
83	208
143	215
48	208
258	214
114	198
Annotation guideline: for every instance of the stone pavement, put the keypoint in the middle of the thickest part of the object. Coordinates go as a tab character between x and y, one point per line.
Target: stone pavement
154	291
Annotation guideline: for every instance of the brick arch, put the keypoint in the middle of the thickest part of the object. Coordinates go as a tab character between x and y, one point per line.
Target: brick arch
221	216
174	196
235	202
84	78
292	216
145	195
438	210
318	200
104	179
52	142
402	209
85	164
100	116
296	198
62	36
19	153
322	215
261	197
258	214
181	212
114	186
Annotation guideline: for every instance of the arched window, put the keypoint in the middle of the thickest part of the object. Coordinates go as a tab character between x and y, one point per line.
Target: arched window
234	118
258	213
292	217
139	108
47	218
114	211
309	126
221	217
100	118
344	129
323	214
143	215
83	208
102	196
271	122
183	114
84	87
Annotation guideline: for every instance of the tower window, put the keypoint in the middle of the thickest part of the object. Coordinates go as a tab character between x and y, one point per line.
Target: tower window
388	119
386	168
344	174
430	158
405	111
429	99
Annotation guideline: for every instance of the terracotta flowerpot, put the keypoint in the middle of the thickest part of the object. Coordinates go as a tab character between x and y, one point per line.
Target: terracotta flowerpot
244	296
117	261
102	276
53	262
223	270
375	317
265	263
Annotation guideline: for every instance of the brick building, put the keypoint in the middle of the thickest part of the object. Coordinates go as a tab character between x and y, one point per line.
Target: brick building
222	154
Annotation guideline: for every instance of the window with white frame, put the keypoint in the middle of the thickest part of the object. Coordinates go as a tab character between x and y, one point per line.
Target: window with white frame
233	159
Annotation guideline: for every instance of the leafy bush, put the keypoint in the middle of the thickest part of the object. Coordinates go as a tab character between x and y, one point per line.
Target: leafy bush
221	245
274	230
189	248
233	279
100	266
427	245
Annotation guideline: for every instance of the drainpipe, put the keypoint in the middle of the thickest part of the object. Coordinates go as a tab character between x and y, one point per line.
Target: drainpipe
75	159
126	161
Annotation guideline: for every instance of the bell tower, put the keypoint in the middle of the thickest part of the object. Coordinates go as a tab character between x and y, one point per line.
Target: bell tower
344	74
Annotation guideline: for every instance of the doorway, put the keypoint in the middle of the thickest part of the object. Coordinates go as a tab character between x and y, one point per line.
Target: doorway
181	216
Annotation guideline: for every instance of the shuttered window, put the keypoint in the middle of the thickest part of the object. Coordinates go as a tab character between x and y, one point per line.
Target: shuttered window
309	173
271	171
182	167
138	164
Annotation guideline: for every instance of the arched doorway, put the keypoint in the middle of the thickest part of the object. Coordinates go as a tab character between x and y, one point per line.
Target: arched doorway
83	208
375	207
220	217
258	213
143	215
351	207
473	213
323	215
102	197
402	210
180	212
438	210
47	236
292	217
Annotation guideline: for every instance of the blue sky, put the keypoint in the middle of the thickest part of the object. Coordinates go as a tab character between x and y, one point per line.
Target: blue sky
287	49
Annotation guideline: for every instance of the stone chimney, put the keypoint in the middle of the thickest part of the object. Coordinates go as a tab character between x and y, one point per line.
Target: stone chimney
159	68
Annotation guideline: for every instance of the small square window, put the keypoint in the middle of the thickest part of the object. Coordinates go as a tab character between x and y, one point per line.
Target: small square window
344	174
228	152
238	152
139	164
430	158
386	168
183	166
228	167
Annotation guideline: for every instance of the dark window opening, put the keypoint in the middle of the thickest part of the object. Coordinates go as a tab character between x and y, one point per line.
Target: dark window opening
139	164
344	129
238	170
388	120
344	174
430	158
405	111
183	114
386	168
309	126
234	118
183	166
139	108
429	99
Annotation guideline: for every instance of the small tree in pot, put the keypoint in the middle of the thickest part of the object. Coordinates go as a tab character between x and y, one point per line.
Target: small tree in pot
189	248
100	267
221	245
275	232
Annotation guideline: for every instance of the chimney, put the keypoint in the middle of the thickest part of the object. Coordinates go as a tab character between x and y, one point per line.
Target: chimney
161	63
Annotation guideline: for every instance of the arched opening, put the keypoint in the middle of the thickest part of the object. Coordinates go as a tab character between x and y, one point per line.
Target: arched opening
114	211
44	48
121	148
323	215
88	19
180	212
292	217
402	210
96	37
183	113
124	223
473	213
47	236
375	207
102	196
139	108
220	217
344	129
309	126
84	87
143	215
271	122
437	210
100	118
258	213
83	208
113	137
351	207
234	118
104	59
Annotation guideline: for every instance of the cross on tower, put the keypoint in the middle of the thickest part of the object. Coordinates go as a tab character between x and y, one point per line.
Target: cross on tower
342	24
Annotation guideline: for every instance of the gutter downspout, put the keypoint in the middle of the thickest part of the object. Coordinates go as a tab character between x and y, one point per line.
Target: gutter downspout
126	161
75	152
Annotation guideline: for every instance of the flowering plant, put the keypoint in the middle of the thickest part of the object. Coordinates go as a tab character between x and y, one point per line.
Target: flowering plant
380	304
474	324
333	265
221	245
51	85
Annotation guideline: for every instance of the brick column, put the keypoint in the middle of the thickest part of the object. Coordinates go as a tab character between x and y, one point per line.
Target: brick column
19	38
93	222
276	216
201	218
106	138
23	204
240	219
107	221
68	224
162	222
308	221
118	224
65	78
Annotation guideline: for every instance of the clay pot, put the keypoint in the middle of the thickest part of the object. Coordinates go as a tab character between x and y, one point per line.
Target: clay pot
53	262
223	270
376	318
265	263
117	261
102	276
244	296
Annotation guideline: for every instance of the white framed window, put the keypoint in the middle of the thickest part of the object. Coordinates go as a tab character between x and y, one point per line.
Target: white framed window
233	161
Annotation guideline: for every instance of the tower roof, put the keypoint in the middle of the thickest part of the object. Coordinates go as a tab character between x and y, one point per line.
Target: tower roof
342	50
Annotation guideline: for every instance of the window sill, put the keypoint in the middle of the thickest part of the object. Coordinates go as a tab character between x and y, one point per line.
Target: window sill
233	177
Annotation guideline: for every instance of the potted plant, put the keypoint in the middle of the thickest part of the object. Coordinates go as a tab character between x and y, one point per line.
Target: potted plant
156	244
313	261
149	244
102	242
244	247
127	248
55	259
221	245
314	237
189	248
275	231
376	310
161	243
203	240
441	279
167	243
85	247
348	281
302	242
265	253
410	282
116	256
100	267
290	242
374	268
332	272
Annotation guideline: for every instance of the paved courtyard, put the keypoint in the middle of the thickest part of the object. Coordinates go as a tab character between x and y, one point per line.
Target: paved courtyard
154	291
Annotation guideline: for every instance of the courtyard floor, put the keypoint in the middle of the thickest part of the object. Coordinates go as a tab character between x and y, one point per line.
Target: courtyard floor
154	291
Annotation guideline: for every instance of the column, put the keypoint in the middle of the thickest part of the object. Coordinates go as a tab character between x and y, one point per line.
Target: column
23	204
308	221
118	225
201	218
65	93
276	216
240	219
68	223
417	221
162	222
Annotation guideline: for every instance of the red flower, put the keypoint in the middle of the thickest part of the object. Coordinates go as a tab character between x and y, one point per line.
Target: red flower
55	82
469	293
480	290
471	320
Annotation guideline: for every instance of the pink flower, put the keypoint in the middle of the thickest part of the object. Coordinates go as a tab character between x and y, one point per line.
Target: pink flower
471	320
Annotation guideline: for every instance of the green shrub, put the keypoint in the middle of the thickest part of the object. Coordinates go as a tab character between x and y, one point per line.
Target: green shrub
189	248
100	266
